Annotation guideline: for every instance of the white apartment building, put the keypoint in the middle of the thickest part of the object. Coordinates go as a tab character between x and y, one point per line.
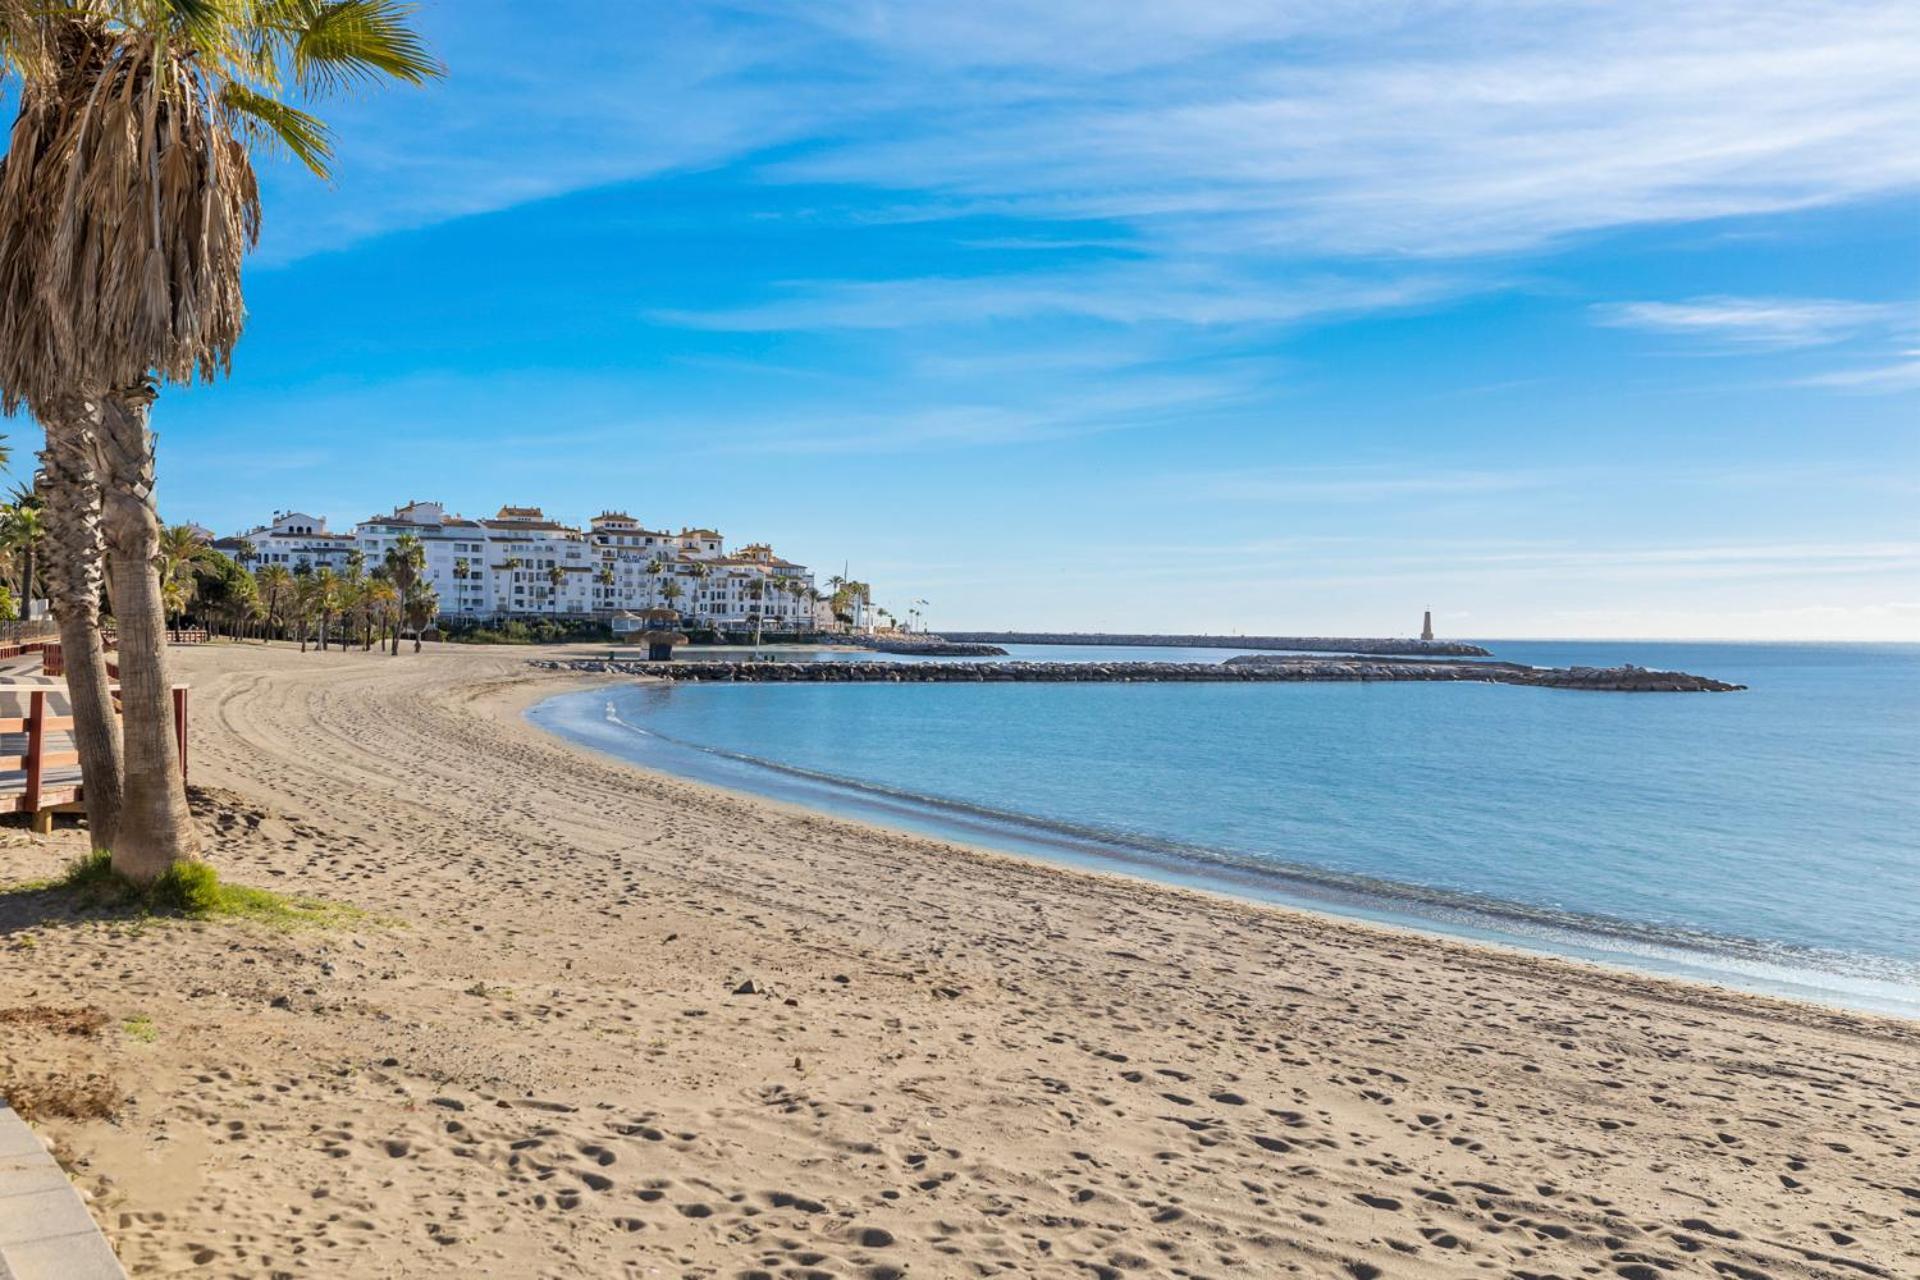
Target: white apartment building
455	549
520	563
298	543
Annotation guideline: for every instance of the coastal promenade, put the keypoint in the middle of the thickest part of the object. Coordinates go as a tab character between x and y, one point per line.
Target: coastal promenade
602	1022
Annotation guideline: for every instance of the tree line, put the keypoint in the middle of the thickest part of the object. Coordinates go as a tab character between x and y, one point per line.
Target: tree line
358	607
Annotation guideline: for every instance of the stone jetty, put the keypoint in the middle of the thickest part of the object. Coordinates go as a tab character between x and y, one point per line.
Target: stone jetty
1239	671
1301	644
925	646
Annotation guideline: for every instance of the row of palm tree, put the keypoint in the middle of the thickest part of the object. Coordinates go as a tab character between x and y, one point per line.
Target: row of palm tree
23	528
128	200
383	604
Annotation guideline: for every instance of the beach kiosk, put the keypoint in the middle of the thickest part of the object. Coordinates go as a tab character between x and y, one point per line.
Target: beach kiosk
655	628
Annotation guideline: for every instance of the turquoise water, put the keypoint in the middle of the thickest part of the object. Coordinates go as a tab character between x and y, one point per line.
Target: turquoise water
1767	839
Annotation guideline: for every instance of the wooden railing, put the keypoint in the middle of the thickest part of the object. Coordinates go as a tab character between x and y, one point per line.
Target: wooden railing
20	648
53	663
36	793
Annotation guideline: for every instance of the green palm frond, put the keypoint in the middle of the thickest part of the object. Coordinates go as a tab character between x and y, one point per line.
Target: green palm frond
273	122
199	21
128	198
348	43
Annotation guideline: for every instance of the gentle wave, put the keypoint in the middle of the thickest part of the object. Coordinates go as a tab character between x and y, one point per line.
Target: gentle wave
1882	983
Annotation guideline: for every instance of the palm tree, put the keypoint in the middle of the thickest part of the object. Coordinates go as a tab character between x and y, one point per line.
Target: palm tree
670	592
74	573
239	601
655	567
127	203
422	606
305	604
181	553
406	560
365	609
275	584
756	591
350	596
326	600
21	532
383	608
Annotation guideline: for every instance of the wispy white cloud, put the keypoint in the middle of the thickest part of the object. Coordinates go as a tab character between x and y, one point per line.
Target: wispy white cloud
1752	322
1366	484
1209	126
1902	375
1389	129
1077	407
1127	294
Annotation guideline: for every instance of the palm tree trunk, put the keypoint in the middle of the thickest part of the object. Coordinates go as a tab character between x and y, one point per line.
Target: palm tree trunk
73	571
156	830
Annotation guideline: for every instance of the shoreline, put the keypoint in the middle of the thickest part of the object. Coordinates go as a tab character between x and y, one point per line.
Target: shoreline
632	1024
1612	944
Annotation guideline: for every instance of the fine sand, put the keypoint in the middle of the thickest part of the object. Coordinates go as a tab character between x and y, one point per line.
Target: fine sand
535	1057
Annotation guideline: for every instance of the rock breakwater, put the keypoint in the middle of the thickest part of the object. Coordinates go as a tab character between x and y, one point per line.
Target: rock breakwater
1240	671
927	646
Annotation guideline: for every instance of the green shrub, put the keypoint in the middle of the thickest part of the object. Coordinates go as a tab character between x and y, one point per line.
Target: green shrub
188	889
191	891
523	631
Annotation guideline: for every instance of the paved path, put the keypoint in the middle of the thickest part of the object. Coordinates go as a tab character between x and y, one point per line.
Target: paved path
46	1233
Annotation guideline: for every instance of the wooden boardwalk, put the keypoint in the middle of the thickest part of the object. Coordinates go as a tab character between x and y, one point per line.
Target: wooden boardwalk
39	764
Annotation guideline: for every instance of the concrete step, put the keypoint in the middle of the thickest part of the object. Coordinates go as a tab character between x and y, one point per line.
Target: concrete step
46	1232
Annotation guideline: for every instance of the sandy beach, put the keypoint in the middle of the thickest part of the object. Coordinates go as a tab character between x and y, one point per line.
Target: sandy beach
598	1022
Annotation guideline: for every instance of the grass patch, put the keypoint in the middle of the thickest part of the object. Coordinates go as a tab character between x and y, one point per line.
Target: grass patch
140	1027
190	891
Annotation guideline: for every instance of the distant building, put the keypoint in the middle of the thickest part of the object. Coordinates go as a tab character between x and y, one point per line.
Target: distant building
519	563
295	541
1426	626
454	548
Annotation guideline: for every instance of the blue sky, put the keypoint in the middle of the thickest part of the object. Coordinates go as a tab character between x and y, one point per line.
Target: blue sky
1559	319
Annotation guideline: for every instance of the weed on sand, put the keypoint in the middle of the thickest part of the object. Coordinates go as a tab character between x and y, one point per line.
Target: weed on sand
188	891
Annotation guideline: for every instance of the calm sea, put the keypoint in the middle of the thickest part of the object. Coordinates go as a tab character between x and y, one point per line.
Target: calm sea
1767	839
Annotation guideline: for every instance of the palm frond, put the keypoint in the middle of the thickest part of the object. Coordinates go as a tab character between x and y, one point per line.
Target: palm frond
128	198
352	42
271	121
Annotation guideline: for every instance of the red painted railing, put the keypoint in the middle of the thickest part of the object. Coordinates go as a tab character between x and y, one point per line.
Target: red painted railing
37	794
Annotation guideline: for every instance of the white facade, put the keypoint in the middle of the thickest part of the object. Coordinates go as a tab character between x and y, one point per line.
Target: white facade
521	564
298	543
455	549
